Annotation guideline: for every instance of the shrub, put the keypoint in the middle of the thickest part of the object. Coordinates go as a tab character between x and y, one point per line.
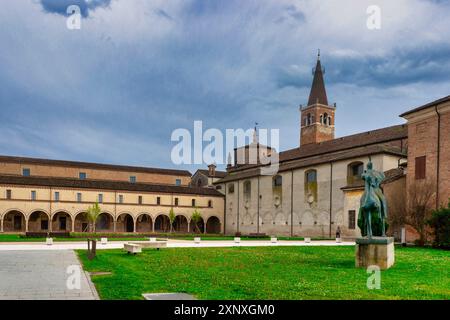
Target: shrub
440	222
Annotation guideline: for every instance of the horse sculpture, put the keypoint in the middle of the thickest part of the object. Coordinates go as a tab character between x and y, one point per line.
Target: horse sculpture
373	208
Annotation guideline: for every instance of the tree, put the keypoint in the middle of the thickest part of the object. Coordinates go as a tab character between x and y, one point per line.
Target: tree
417	208
195	218
440	222
171	219
92	213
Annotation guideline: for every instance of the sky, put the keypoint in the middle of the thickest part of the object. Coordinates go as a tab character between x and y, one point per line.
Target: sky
115	90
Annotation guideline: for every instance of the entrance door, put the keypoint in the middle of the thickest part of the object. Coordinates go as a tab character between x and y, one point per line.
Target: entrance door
17	223
62	223
130	224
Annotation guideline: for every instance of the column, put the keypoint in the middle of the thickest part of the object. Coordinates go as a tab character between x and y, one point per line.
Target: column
73	224
114	225
1	225
189	226
134	225
153	225
50	224
26	225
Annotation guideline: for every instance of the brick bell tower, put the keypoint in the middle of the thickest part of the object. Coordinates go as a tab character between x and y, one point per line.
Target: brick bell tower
317	118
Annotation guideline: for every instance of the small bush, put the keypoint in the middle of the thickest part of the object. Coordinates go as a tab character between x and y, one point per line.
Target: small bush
440	222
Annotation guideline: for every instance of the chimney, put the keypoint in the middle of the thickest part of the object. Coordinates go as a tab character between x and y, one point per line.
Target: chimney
212	170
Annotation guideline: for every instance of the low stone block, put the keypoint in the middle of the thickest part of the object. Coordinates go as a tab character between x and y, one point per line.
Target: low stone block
377	251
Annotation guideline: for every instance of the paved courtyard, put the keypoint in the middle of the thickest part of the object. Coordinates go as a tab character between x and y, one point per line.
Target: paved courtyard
41	275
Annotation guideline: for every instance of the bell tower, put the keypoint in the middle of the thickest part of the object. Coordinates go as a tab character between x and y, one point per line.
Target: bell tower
317	118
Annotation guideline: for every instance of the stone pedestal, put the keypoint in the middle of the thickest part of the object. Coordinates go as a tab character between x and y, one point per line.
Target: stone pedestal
377	251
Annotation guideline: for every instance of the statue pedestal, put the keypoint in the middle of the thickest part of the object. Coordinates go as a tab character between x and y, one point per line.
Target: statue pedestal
377	251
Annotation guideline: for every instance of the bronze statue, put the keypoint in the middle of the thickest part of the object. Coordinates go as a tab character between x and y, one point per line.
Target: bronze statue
373	209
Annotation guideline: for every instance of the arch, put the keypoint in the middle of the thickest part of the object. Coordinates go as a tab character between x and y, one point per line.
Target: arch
354	171
162	223
14	221
180	224
144	223
311	186
125	223
198	227
81	222
38	221
325	119
61	221
213	225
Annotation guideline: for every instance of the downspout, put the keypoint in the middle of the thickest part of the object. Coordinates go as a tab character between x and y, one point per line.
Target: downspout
238	205
438	155
331	194
292	203
225	211
257	221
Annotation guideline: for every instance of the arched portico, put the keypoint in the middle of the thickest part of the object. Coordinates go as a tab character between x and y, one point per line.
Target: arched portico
13	221
125	223
81	222
104	223
144	223
198	227
162	223
61	221
39	221
181	224
213	225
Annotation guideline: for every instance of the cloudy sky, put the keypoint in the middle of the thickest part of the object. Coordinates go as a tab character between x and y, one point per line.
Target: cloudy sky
115	90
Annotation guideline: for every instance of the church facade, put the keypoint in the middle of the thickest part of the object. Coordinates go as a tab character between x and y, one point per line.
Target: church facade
318	185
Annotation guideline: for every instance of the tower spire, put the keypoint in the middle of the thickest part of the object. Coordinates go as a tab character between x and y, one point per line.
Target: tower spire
318	93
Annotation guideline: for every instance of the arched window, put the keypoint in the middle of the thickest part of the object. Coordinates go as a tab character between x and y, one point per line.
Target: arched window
277	190
311	186
321	119
329	120
308	119
247	190
354	172
325	119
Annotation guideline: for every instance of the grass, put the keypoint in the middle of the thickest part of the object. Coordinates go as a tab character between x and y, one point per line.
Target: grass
268	273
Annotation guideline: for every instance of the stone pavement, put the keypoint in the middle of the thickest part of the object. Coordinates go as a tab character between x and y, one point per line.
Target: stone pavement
41	275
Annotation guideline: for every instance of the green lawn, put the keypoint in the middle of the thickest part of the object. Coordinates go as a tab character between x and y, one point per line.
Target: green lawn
268	273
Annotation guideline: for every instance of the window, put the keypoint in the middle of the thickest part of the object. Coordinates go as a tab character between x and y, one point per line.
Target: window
79	198
218	187
178	182
26	172
352	219
231	188
158	200
176	201
8	194
421	164
354	172
193	202
56	196
133	179
209	203
247	189
311	186
100	198
33	195
140	199
277	181
120	198
82	175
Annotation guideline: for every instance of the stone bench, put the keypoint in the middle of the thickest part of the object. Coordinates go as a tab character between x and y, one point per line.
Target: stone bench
153	244
132	248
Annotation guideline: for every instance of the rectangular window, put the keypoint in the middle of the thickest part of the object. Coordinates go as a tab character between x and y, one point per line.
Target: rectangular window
79	199
8	194
231	188
421	164
178	182
26	172
352	219
33	195
133	179
176	201
120	198
140	199
209	203
56	196
100	198
158	200
82	175
193	202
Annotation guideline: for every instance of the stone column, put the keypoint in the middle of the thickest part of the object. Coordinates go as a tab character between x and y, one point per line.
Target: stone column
1	225
153	225
114	225
50	224
189	226
134	225
73	224
26	225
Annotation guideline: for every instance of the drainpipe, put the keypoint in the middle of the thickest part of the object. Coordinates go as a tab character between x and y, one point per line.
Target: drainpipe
331	194
237	229
438	155
257	219
292	203
225	211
